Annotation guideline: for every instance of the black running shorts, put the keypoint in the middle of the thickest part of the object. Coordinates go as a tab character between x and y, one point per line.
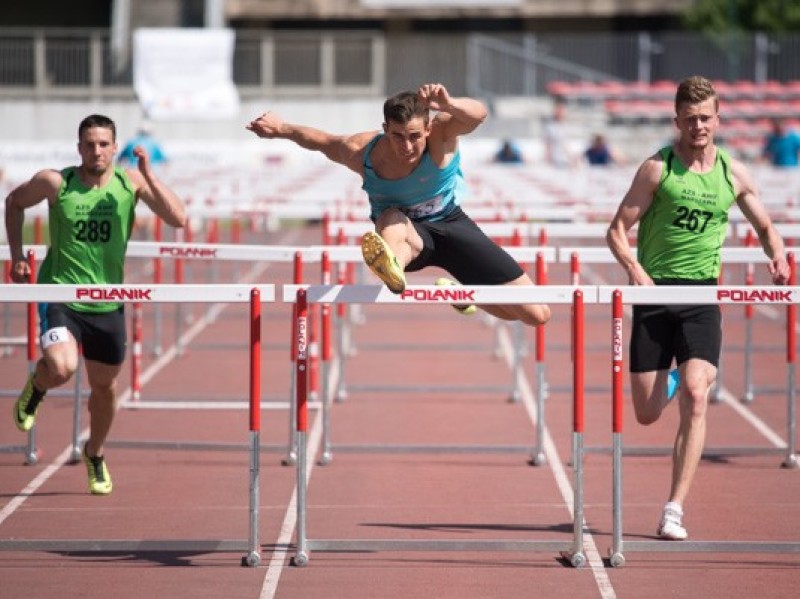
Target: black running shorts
102	336
660	333
458	245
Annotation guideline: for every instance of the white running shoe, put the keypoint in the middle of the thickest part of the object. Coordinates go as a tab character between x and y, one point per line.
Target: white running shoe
671	527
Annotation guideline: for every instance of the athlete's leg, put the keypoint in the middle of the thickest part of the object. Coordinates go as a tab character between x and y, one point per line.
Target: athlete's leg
649	391
59	359
531	314
102	403
697	377
400	235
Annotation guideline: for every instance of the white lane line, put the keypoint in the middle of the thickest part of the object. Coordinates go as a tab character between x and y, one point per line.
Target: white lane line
276	563
562	479
65	455
756	422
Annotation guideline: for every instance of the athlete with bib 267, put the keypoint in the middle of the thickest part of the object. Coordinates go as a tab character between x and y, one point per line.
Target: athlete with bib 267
681	197
411	172
91	214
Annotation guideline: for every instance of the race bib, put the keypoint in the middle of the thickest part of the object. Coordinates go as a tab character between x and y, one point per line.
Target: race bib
54	335
424	209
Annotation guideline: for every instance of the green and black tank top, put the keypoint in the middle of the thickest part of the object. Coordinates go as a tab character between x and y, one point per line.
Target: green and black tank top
682	232
89	232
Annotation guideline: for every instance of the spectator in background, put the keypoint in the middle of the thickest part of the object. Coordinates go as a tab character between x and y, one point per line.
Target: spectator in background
599	153
143	139
554	137
509	153
782	146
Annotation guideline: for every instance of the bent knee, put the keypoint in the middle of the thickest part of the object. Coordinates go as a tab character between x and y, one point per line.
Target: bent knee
646	418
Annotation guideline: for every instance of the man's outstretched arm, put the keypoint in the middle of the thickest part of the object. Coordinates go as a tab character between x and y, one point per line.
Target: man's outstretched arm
345	150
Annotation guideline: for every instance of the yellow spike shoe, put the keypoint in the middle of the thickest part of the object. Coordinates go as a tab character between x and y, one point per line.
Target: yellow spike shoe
466	310
382	261
99	478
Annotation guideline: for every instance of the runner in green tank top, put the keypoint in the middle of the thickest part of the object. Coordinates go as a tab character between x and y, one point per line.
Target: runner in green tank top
680	197
89	231
91	208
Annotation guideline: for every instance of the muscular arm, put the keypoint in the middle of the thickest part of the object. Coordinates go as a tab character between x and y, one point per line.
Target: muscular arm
748	201
44	185
344	150
633	206
158	196
457	116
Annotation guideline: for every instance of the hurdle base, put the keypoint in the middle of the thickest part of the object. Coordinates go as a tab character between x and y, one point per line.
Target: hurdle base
617	558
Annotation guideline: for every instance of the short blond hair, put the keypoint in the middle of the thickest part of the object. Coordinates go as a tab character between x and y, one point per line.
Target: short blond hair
694	90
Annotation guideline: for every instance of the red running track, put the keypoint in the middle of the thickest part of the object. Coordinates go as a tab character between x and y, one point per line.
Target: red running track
203	494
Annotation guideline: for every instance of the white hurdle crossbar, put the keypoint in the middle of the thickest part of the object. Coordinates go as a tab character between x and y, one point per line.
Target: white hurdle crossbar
430	294
252	294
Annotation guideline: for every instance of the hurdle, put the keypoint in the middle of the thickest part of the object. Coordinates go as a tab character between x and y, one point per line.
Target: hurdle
745	232
254	295
788	296
29	450
572	550
349	254
729	255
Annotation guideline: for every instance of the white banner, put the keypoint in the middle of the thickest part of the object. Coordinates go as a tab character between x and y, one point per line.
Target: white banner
185	73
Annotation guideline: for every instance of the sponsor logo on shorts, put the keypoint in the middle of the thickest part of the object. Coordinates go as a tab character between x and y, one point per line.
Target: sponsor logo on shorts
754	295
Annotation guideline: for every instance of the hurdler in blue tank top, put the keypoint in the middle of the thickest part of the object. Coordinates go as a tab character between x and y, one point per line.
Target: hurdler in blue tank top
428	193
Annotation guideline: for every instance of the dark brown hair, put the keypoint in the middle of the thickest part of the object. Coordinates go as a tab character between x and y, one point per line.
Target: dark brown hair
403	107
97	120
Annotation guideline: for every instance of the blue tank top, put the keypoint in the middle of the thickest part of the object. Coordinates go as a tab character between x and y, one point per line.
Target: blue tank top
428	193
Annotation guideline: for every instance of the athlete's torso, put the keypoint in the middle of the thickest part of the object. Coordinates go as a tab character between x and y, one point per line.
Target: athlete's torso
89	231
428	193
681	234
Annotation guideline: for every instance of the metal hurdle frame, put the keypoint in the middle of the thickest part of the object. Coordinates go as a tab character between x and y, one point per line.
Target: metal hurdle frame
255	295
350	254
328	294
730	255
746	256
694	295
30	450
744	231
177	251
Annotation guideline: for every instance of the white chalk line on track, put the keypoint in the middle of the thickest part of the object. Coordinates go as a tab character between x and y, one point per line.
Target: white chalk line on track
562	479
63	458
278	560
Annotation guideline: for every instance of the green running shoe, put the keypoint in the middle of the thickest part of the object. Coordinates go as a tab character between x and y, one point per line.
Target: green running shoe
26	405
99	478
382	261
461	309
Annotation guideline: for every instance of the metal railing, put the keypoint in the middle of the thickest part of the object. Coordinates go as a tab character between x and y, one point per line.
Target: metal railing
78	63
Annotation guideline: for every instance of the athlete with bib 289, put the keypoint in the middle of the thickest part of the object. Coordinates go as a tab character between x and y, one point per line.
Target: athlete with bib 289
91	216
411	172
680	197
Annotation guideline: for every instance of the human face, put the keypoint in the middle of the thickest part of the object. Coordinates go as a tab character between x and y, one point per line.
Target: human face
697	123
97	148
407	140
